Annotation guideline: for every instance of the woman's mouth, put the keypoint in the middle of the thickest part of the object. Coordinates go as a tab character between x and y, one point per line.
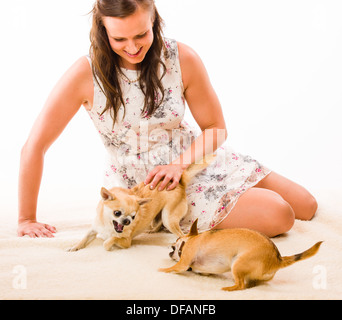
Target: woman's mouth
135	54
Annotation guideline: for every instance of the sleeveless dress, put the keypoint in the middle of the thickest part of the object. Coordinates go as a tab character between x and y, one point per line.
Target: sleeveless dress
138	143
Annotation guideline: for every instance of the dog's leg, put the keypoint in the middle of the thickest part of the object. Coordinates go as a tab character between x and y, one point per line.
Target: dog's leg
179	267
90	236
239	283
172	215
156	224
240	269
183	265
123	243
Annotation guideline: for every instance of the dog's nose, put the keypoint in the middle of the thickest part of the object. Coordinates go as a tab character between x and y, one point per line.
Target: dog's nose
126	222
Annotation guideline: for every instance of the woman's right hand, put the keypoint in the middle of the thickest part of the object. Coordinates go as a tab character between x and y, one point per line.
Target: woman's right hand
35	229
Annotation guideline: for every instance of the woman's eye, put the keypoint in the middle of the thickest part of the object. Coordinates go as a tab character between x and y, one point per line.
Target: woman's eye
142	36
137	37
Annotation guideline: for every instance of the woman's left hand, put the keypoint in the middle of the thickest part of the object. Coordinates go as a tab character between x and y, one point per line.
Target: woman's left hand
171	173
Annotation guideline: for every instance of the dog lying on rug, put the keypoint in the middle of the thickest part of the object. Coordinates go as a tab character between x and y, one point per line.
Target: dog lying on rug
250	255
122	214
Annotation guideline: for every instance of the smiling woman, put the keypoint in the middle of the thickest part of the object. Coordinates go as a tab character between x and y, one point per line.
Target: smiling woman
133	47
127	34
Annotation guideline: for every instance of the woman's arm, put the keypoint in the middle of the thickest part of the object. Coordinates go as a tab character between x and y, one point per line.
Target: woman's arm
206	110
74	89
204	106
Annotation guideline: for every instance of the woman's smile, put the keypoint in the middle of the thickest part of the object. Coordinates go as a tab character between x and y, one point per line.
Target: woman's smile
135	55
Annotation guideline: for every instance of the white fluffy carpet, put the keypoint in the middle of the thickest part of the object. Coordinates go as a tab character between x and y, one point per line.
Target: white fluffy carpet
42	269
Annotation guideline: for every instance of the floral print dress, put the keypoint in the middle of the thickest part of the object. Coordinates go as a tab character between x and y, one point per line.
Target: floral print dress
138	143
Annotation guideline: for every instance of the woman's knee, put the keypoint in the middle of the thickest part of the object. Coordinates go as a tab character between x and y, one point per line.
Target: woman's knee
279	216
310	208
282	217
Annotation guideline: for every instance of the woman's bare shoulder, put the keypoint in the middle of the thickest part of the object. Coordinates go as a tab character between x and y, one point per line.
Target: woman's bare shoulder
190	61
81	69
186	51
80	76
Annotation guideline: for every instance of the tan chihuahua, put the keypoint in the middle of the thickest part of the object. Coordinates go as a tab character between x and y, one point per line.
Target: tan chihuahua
122	214
250	255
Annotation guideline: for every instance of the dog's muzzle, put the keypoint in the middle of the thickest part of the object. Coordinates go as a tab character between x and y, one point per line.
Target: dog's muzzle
120	227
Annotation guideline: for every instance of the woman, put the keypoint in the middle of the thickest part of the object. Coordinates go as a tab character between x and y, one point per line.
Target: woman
134	86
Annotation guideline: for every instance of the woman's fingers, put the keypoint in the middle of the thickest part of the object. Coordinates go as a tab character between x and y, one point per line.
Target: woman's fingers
165	182
170	174
159	176
36	230
50	228
173	185
151	175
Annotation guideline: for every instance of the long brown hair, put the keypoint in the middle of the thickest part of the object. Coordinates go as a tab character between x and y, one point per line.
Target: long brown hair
105	62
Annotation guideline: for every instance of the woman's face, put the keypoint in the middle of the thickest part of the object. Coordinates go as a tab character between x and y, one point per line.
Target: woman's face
130	37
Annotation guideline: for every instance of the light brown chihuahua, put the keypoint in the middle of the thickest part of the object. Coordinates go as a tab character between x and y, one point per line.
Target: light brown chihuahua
122	214
250	255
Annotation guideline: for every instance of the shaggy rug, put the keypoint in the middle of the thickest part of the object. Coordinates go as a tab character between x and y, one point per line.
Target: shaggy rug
42	269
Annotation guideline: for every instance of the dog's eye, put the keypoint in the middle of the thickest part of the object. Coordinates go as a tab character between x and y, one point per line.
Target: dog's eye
117	213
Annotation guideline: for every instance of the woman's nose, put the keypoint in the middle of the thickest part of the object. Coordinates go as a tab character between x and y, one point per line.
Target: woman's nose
132	48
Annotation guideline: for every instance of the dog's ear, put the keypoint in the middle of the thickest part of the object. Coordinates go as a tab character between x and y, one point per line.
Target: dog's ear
143	201
194	230
106	195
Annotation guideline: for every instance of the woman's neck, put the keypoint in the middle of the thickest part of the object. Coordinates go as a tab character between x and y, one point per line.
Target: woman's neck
129	66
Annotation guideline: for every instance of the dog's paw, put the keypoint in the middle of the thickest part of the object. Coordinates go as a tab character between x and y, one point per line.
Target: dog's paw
175	269
73	249
108	245
166	270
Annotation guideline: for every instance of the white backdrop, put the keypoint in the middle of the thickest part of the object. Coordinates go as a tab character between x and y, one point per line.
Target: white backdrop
276	67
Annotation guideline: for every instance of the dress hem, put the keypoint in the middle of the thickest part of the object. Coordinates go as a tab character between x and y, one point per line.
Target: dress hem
232	205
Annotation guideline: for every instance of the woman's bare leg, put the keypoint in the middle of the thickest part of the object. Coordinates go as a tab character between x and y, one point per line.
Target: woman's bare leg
302	202
271	206
261	210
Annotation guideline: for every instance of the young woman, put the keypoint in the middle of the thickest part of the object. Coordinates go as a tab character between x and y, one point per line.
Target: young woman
134	85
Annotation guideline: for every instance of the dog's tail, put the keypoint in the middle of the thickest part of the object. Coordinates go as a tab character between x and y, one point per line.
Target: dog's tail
287	261
194	169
